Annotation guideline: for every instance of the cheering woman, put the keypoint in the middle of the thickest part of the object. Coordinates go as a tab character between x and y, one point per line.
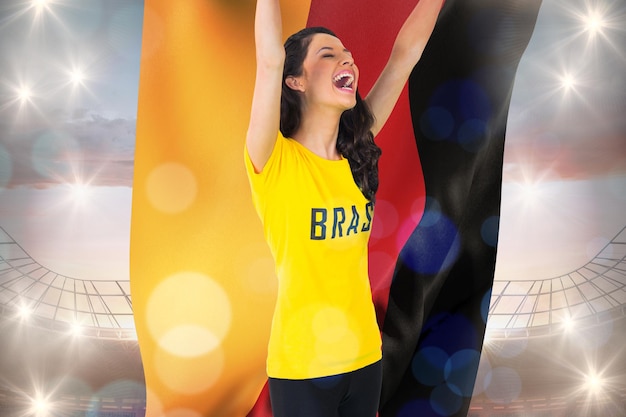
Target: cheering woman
313	168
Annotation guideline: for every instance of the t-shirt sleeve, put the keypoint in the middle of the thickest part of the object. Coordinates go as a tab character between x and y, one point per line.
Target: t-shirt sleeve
260	181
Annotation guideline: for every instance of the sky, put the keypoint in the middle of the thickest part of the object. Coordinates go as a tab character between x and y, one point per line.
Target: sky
68	93
564	186
69	75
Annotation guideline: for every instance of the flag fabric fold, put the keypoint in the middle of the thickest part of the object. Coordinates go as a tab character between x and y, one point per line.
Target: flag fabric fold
439	298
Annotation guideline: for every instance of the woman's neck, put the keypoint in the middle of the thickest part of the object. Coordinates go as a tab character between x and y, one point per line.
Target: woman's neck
318	132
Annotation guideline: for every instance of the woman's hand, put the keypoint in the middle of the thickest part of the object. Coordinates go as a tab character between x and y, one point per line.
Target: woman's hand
406	52
270	56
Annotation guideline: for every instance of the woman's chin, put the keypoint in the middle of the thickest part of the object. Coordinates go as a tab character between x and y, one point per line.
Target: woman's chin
349	103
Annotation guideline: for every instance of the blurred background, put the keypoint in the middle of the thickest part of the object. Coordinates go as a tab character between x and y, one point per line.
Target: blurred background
68	94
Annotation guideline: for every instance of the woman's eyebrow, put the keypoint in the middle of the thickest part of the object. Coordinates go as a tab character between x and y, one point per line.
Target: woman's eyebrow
330	48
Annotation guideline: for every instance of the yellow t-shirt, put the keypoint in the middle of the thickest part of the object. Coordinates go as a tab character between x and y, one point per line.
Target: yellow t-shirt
317	224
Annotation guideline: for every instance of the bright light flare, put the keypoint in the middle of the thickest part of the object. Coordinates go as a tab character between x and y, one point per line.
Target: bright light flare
568	324
41	407
594	23
597	20
24	312
77	76
530	192
40	5
80	193
41	12
24	94
568	82
594	383
76	330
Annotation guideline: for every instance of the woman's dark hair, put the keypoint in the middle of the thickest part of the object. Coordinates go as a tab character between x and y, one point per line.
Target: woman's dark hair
355	141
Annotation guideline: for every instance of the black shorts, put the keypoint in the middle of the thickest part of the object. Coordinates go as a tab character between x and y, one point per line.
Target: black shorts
353	394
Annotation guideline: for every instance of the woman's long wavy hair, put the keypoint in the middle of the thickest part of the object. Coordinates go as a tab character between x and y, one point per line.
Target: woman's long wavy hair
355	140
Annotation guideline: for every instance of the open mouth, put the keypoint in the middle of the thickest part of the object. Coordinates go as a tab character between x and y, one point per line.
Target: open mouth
344	81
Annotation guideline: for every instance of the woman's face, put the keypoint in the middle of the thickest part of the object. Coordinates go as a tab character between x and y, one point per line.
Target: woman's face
329	75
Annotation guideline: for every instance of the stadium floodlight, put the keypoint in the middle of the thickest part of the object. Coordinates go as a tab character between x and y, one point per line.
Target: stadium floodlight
77	76
40	5
568	82
24	312
76	329
568	324
594	383
593	23
41	407
24	94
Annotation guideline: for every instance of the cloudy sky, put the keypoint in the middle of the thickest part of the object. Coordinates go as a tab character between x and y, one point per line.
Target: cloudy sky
564	191
68	95
68	98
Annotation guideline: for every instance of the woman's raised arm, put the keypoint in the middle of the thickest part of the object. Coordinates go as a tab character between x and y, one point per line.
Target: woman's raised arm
270	57
406	52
